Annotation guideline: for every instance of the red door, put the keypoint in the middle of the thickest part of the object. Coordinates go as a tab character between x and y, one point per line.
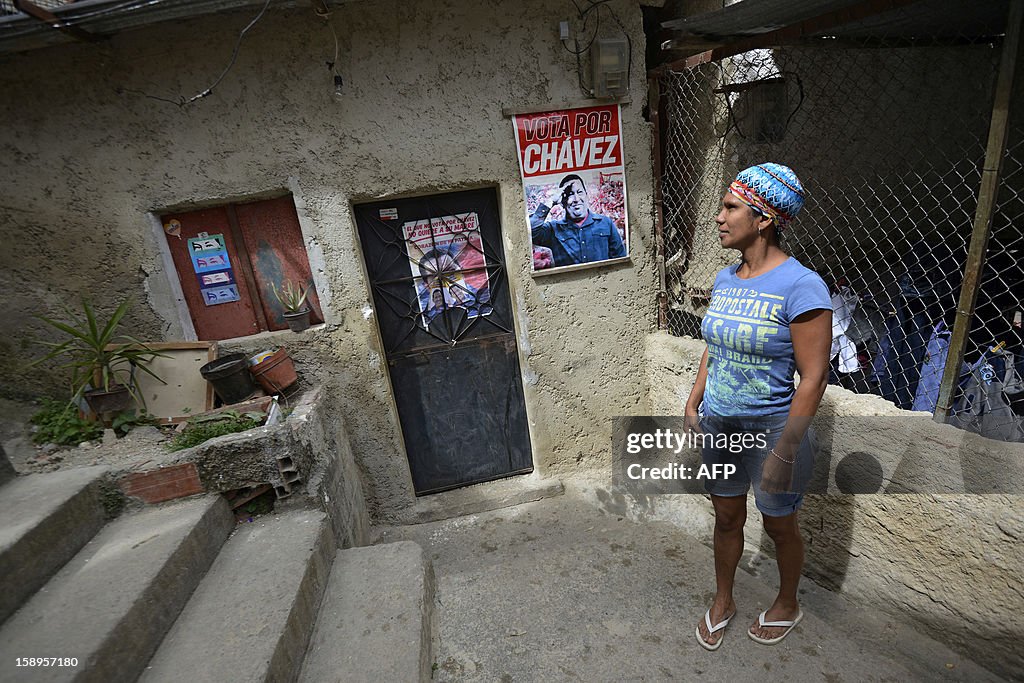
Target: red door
221	321
264	244
273	240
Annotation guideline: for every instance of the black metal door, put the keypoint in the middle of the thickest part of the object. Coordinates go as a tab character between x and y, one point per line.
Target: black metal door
437	270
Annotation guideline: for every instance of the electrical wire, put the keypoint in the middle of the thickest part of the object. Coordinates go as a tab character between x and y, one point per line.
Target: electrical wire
234	55
584	14
182	102
325	14
578	51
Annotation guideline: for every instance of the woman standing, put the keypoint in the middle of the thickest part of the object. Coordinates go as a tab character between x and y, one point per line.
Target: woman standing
768	317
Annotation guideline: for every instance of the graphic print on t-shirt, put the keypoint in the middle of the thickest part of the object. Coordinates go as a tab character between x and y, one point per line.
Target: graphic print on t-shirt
739	324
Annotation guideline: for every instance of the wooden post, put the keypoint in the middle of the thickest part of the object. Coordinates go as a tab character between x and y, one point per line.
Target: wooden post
988	194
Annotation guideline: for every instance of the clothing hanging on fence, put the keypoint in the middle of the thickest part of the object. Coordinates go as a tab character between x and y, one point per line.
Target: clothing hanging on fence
936	352
983	406
844	303
897	367
868	324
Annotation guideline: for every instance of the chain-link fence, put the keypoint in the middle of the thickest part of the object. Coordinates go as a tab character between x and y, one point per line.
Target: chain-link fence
888	135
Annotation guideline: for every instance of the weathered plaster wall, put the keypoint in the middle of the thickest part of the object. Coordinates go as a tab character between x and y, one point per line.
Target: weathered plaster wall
949	561
88	157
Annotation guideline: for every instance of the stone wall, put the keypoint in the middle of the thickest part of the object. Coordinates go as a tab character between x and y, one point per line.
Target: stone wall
948	557
315	441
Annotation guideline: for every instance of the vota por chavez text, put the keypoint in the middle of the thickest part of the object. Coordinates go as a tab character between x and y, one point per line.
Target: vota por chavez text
570	140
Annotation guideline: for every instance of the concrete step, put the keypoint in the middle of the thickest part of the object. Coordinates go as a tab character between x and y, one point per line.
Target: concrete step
375	620
47	518
110	606
251	617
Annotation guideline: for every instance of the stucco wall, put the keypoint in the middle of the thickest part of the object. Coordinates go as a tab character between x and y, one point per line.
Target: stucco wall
87	160
949	561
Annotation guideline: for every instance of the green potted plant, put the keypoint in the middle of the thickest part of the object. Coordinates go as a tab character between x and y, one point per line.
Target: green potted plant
100	359
292	296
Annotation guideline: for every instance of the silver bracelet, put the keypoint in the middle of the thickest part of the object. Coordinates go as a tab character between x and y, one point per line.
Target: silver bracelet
788	462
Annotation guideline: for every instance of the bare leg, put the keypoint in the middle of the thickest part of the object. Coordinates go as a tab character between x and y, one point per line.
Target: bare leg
730	516
789	553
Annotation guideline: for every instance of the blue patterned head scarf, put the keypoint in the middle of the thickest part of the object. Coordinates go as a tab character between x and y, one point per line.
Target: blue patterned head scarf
772	190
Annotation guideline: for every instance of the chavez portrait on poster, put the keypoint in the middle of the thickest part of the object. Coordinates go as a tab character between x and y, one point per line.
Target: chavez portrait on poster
575	186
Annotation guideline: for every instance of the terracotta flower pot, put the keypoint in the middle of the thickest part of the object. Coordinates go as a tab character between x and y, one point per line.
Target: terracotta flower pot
276	372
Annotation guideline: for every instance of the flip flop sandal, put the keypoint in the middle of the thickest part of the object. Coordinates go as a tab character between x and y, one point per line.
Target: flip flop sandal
712	629
788	625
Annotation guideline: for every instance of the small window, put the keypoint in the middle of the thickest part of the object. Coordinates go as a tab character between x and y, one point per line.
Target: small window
227	257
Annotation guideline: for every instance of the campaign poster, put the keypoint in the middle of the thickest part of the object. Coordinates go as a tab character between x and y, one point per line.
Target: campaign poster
574	183
446	257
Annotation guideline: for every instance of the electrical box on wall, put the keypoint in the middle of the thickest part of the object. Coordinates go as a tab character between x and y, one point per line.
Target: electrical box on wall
610	61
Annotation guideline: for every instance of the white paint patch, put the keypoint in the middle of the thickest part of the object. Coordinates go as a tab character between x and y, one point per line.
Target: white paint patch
367	311
374	360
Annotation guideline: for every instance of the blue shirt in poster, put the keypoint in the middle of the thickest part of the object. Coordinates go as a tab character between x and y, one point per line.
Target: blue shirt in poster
595	239
750	350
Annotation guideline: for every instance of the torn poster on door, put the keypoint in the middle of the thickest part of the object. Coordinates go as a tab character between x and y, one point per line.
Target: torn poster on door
446	257
213	268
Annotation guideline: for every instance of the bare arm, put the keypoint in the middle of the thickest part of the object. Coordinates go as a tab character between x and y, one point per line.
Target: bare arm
812	339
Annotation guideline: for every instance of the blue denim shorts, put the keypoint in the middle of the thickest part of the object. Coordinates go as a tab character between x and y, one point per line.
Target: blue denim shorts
730	444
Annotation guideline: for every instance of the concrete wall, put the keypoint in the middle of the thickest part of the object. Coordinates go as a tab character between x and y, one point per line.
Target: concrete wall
949	560
314	440
87	158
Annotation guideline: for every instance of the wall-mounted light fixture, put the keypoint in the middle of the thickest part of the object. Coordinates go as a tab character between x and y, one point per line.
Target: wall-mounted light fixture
609	58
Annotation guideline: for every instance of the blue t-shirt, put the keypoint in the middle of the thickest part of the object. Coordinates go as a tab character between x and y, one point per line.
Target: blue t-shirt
750	350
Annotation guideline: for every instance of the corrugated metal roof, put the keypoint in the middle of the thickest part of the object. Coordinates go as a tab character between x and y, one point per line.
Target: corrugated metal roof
928	18
750	17
19	32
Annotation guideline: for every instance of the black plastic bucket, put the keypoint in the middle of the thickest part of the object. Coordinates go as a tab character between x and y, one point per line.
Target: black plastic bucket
230	377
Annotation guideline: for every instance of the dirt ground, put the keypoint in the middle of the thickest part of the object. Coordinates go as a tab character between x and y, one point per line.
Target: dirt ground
143	447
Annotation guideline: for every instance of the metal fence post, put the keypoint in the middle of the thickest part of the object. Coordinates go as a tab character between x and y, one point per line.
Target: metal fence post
654	105
987	196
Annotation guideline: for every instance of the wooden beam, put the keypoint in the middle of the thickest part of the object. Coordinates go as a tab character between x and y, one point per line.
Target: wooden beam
47	17
787	34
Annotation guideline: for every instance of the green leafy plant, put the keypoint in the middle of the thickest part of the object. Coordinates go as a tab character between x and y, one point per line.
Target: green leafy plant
95	354
292	295
205	427
128	420
58	422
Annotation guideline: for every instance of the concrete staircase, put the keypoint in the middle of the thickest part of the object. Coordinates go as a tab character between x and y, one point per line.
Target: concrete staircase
176	593
554	589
